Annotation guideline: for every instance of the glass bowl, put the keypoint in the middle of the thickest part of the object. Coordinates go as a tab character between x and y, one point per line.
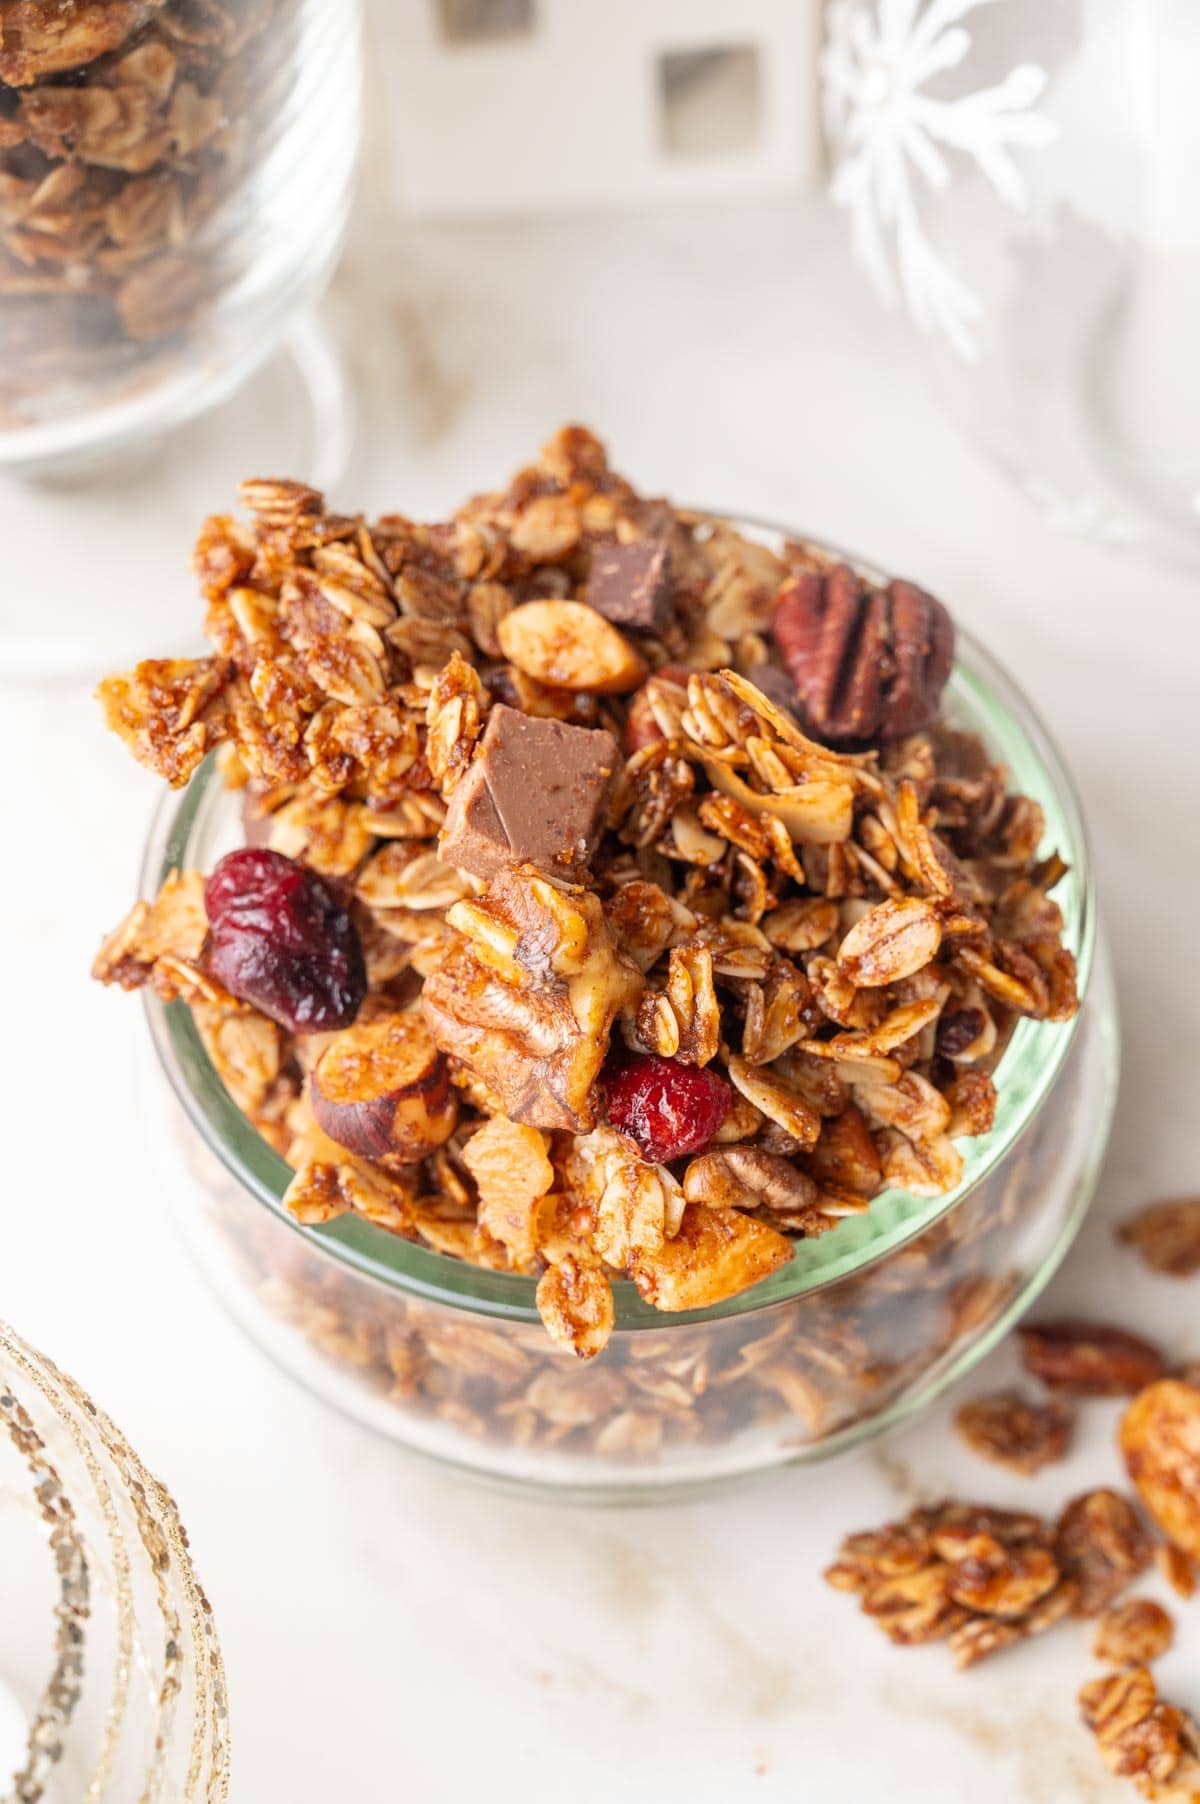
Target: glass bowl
174	185
1022	179
866	1324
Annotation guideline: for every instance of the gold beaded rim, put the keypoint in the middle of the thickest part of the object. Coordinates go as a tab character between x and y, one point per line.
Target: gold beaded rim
176	1647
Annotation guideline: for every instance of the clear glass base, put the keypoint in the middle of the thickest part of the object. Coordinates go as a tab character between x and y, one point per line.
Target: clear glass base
99	574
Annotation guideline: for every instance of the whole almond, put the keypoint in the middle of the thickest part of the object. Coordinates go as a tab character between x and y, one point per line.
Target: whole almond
894	939
570	646
1160	1439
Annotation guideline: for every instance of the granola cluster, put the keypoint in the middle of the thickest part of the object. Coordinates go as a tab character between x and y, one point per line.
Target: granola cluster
124	124
1141	1738
983	1579
681	982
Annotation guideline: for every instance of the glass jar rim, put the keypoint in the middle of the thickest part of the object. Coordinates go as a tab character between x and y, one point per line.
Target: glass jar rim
1025	1074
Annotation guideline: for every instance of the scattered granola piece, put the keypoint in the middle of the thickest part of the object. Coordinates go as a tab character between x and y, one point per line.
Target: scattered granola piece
1089	1359
1160	1441
1015	1432
981	1578
1102	1544
1133	1633
1166	1234
1143	1739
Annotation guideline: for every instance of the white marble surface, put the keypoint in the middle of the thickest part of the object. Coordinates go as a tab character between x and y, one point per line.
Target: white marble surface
390	1633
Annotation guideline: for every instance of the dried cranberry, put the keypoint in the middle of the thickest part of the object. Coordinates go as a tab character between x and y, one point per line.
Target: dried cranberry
280	939
668	1108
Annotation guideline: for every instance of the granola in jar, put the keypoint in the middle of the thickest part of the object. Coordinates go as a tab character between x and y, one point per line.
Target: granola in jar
682	936
138	140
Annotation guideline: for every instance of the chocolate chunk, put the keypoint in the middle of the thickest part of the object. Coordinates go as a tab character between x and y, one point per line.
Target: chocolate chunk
631	584
778	687
534	794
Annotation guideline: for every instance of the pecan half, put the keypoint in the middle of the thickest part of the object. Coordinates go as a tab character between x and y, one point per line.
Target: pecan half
1088	1359
868	664
1101	1544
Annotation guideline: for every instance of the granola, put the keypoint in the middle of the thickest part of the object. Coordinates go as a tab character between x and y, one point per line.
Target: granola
979	1578
983	1579
124	128
1166	1234
1013	1431
1143	1739
659	982
1133	1633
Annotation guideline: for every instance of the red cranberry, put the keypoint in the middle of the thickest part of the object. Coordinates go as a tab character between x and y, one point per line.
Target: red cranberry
668	1108
280	939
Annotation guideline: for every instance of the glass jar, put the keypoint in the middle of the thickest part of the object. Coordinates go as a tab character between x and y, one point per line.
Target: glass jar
1022	177
174	182
866	1324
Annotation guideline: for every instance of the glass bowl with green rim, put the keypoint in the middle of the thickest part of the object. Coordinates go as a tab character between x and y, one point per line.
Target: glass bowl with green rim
867	1324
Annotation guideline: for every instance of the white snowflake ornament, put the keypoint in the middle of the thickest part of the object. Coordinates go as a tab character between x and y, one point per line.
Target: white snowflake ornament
887	130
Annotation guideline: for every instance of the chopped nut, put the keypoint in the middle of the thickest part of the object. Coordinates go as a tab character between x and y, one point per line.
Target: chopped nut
381	1089
528	1001
866	665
